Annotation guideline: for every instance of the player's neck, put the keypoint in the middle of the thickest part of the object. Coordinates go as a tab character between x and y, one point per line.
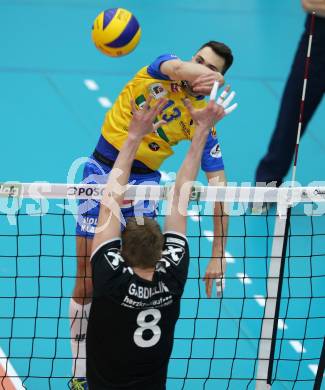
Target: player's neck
144	273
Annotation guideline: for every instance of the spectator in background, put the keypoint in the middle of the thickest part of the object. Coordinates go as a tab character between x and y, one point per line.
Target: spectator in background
275	164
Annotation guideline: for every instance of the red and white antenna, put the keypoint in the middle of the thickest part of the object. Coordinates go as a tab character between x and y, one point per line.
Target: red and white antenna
302	104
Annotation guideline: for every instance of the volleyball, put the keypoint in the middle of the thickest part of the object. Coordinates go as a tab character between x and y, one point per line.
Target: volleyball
116	32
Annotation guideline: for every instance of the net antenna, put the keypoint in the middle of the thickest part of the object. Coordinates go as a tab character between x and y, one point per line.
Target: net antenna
302	104
278	256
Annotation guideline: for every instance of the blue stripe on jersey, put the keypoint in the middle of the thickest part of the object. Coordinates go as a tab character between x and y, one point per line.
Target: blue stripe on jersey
127	35
108	16
154	68
211	159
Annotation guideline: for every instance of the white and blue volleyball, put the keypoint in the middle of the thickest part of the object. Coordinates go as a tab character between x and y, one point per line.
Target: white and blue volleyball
116	32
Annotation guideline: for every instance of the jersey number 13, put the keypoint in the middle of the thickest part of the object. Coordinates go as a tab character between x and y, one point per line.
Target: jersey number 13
147	325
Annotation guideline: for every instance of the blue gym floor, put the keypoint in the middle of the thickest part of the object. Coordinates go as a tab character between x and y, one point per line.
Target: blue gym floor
49	118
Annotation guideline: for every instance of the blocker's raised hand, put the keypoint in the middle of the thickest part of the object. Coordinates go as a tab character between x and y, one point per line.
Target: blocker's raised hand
142	122
214	111
223	100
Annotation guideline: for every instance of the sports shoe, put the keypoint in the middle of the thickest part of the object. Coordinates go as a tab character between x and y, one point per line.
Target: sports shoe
79	384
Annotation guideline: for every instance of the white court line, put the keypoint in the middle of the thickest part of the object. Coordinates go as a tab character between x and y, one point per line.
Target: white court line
229	258
313	368
297	346
104	101
91	85
282	324
194	215
10	371
209	235
260	300
244	278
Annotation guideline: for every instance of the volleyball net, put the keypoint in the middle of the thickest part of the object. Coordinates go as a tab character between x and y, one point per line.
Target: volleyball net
265	329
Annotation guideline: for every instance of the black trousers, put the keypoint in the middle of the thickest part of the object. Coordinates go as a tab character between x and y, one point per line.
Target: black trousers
277	161
161	386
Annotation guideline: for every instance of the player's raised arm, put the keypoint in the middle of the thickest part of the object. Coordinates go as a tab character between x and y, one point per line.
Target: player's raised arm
109	222
178	199
208	64
182	70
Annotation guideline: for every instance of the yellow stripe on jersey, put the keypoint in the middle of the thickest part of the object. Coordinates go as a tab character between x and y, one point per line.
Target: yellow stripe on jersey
155	147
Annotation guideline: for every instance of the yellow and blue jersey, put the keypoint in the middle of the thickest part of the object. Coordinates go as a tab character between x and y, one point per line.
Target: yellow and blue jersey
156	147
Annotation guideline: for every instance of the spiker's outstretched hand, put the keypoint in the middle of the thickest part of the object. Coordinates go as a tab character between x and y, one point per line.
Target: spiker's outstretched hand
203	84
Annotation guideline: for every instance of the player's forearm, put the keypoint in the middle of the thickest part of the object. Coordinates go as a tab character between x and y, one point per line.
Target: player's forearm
220	221
190	71
191	164
220	218
178	199
109	222
119	176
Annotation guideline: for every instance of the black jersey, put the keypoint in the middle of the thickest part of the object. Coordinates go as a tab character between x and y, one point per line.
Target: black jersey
132	320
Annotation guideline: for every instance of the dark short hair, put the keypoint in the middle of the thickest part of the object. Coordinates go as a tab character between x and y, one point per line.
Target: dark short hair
223	51
142	243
